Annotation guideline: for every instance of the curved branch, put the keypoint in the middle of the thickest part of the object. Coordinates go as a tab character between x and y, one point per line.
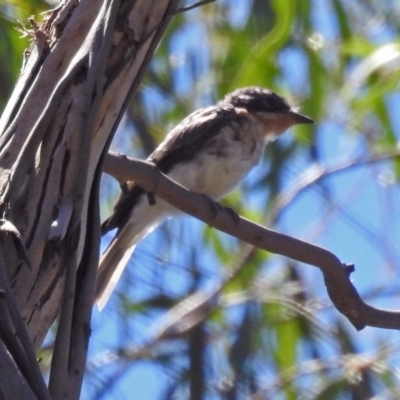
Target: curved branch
316	173
336	275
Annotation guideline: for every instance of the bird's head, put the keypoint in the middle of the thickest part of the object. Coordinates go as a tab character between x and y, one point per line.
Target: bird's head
266	105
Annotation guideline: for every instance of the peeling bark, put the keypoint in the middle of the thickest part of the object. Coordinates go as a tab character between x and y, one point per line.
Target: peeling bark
85	62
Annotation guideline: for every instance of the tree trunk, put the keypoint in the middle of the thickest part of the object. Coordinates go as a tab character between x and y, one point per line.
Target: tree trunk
85	62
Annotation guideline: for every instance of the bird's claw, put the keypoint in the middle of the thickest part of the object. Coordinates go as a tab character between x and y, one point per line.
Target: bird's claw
215	207
150	198
234	215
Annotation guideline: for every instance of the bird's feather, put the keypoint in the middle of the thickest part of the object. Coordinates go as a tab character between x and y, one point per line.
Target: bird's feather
209	152
180	145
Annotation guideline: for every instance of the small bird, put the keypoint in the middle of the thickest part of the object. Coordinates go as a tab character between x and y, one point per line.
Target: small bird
209	152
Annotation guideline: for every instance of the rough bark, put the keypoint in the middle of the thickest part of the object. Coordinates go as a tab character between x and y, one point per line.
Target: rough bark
86	60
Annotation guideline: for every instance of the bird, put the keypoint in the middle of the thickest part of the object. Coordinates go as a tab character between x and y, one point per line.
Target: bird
209	152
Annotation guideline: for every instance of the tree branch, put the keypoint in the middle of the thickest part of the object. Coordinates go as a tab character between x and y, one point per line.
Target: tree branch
13	331
336	275
195	5
316	173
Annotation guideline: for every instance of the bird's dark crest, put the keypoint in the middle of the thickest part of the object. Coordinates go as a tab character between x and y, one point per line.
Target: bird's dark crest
256	99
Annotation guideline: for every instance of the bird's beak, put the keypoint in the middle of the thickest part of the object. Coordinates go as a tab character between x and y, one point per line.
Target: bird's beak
300	118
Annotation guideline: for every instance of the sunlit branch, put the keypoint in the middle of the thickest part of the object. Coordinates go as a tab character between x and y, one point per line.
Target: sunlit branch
336	275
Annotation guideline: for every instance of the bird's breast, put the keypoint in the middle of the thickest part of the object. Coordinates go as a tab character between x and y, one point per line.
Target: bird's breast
222	163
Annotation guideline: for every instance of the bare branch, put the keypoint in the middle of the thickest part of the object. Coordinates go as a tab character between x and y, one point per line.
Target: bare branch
336	274
195	5
318	172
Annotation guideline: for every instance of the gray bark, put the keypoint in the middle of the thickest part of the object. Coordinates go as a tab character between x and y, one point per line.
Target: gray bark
86	60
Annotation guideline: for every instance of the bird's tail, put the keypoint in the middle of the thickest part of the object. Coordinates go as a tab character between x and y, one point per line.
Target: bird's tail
142	220
111	266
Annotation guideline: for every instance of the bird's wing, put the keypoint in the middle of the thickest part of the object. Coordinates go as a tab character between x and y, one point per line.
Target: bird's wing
190	136
180	145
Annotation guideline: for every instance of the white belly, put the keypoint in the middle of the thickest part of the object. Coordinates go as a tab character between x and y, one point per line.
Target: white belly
221	165
215	171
